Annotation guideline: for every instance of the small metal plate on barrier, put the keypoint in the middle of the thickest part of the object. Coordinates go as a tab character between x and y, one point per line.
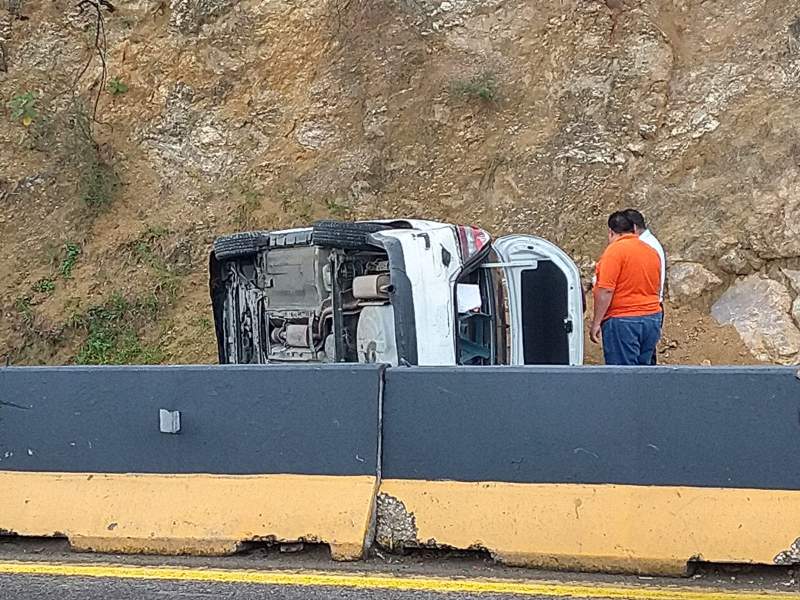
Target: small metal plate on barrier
169	421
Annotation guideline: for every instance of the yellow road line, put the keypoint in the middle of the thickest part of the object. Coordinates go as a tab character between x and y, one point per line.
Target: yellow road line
371	581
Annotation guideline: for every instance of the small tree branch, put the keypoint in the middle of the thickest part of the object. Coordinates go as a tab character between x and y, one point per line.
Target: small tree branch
100	47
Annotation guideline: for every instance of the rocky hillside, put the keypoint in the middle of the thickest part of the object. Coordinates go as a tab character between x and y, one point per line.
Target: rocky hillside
136	130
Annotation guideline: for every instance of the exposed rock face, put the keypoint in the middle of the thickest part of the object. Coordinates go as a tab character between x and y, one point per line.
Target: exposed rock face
794	281
188	139
688	281
738	261
759	310
793	276
517	116
187	16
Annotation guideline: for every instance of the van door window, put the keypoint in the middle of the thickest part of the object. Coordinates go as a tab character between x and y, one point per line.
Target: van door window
482	337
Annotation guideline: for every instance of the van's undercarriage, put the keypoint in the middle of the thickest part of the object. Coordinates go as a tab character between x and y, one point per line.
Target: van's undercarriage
304	303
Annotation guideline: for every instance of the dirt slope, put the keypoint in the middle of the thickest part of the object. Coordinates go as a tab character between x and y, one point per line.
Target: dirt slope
214	116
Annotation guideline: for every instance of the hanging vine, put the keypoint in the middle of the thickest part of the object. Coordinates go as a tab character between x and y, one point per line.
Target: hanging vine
96	8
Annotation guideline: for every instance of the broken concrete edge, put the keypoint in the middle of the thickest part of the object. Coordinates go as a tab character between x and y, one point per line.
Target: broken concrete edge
120	516
194	547
598	564
154	546
396	520
396	527
397	532
790	556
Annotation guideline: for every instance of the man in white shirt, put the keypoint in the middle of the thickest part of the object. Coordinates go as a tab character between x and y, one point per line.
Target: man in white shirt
645	235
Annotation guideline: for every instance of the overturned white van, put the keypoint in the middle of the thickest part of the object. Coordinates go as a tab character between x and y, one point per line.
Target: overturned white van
405	292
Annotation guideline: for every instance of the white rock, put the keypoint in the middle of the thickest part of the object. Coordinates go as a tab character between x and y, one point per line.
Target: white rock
703	123
738	262
690	280
759	310
779	205
187	16
314	135
796	311
794	279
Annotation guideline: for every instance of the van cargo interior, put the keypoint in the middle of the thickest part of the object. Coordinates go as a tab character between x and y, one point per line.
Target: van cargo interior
545	316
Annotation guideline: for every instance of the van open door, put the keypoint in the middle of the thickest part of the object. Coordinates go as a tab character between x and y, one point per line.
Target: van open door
545	301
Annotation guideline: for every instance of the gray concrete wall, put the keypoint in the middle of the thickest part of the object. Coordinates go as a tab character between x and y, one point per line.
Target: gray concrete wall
726	427
234	419
720	427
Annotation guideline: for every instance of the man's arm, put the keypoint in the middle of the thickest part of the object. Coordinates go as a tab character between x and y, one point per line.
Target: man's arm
602	300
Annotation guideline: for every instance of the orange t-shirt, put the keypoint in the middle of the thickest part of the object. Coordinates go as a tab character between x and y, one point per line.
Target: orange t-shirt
632	269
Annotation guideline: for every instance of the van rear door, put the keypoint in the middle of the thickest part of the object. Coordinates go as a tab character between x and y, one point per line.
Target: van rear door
545	301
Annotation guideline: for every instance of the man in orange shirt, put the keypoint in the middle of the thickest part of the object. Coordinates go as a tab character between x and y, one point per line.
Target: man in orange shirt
627	307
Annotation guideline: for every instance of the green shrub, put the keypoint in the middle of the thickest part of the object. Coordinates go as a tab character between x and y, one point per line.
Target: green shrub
97	179
24	108
71	253
45	285
148	250
98	183
338	209
482	86
112	336
24	309
116	86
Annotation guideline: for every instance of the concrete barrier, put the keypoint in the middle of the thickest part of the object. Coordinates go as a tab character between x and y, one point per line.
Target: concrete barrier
255	453
604	469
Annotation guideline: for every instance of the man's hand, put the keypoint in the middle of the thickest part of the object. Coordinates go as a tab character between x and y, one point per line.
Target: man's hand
602	300
594	332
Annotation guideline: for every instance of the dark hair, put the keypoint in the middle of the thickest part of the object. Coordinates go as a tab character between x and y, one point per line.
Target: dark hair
618	222
635	217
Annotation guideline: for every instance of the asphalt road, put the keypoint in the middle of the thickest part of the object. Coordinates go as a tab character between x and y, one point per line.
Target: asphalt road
34	570
57	588
44	580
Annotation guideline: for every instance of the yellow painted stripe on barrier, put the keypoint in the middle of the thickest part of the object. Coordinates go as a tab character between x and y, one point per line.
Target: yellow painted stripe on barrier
206	514
603	527
370	581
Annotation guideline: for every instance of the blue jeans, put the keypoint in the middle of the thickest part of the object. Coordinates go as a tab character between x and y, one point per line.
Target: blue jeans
631	340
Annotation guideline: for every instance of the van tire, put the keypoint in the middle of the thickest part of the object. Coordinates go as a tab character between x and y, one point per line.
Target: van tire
346	235
244	243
